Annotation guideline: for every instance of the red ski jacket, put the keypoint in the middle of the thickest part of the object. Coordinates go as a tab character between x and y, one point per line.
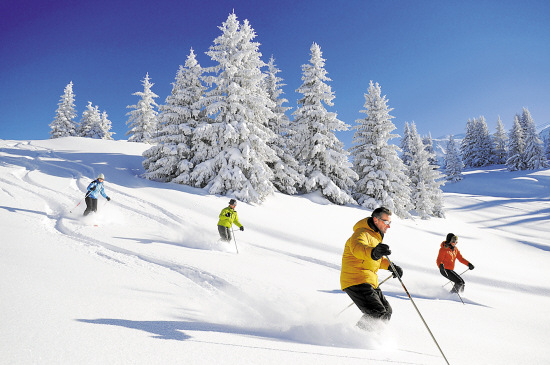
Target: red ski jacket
448	255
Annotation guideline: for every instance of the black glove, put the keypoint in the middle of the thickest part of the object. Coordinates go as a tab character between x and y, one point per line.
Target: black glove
381	250
93	188
242	228
108	199
470	266
398	271
228	214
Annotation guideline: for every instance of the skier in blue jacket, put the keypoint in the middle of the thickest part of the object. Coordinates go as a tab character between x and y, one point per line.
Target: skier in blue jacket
94	189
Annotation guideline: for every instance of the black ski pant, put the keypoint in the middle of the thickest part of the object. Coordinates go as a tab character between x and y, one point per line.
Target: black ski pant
91	205
454	277
370	301
225	233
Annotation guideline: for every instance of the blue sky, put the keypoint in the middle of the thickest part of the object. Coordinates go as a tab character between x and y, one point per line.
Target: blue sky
438	62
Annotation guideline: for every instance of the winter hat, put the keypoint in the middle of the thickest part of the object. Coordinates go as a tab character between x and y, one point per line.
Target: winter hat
101	176
450	236
232	202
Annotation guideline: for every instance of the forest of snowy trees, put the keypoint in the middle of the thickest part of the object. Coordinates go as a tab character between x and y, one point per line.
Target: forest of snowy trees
225	129
92	125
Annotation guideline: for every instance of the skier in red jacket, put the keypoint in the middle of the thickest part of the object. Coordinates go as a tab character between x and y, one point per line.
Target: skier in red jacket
448	253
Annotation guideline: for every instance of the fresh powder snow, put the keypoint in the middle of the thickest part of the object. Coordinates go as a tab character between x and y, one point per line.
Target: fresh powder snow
151	283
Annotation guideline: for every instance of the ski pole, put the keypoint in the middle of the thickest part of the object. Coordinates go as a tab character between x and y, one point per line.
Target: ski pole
415	307
234	239
460	298
460	274
70	211
352	303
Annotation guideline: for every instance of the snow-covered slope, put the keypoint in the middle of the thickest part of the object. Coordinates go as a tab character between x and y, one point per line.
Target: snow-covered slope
151	284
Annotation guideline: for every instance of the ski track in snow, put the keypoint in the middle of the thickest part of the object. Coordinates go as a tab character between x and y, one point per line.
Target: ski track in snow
41	161
40	175
35	162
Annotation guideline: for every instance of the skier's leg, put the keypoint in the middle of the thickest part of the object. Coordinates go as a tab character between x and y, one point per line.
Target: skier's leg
369	301
386	304
88	201
443	272
94	205
457	280
225	233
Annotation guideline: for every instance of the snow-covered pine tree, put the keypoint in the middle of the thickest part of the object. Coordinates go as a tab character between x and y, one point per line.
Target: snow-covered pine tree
453	162
500	144
287	173
468	145
429	145
534	150
484	142
477	148
319	151
240	108
382	179
170	159
426	180
90	124
516	147
64	125
547	144
405	145
105	126
143	119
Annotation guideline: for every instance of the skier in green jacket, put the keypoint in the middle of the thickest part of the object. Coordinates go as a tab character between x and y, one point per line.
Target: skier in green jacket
228	216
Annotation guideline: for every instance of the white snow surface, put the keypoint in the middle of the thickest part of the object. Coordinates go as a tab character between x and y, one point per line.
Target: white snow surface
151	284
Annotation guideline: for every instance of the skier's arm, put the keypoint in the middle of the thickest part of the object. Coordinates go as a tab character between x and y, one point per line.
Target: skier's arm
460	258
102	191
439	260
361	246
384	264
236	220
92	186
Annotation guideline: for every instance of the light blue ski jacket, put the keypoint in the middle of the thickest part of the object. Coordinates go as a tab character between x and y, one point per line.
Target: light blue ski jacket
94	194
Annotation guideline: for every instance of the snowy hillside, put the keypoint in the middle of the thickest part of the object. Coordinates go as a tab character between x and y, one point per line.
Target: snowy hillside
150	284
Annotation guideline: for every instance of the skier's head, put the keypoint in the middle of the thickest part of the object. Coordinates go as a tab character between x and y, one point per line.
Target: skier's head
101	177
382	219
451	239
232	203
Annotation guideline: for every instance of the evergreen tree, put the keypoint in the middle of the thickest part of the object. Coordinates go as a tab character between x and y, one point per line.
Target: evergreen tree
236	162
484	144
105	126
429	146
405	145
516	147
547	144
143	119
170	159
500	143
64	125
453	162
477	149
382	180
468	146
287	173
90	125
426	180
533	156
320	152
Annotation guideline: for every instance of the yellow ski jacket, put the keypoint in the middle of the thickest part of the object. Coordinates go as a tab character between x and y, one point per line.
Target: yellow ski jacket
357	265
228	221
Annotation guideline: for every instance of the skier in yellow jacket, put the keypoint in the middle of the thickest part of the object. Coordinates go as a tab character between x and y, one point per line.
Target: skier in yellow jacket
228	216
364	254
